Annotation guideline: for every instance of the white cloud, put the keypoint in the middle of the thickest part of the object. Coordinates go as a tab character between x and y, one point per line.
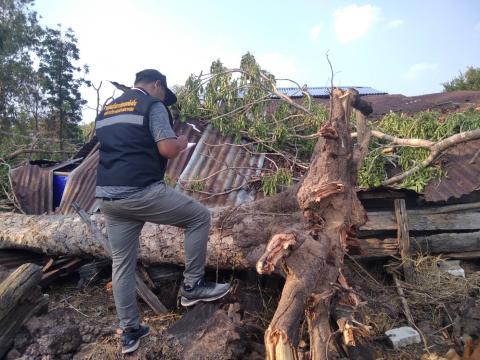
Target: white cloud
476	28
415	70
315	32
394	23
353	21
280	65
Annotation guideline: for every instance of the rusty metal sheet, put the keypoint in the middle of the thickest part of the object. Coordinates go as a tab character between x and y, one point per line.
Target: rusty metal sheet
193	131
463	173
33	189
80	187
224	170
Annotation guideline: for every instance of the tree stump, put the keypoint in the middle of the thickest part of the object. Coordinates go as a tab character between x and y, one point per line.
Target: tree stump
20	299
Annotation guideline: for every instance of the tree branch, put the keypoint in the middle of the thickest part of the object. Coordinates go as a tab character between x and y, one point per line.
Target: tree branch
435	150
403	142
35	151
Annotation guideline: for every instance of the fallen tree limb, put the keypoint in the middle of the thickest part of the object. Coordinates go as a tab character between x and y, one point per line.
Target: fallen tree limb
435	150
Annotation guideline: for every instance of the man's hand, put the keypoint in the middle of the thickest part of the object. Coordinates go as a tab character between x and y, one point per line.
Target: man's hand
170	148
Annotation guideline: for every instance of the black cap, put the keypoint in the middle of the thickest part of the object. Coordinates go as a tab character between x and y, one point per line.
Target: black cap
150	75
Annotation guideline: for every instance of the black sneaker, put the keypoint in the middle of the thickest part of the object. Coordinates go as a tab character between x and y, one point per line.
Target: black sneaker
131	338
202	291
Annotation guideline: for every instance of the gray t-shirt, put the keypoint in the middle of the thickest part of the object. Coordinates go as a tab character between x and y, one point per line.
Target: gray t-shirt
160	129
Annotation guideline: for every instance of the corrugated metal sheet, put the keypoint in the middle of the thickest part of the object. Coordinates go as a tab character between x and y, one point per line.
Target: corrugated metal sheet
193	131
463	174
324	92
80	187
32	188
220	171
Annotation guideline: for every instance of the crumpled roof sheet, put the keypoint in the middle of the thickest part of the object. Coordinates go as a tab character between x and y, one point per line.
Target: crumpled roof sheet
223	169
462	164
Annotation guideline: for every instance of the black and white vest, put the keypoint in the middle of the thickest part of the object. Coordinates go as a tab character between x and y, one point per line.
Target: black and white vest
128	153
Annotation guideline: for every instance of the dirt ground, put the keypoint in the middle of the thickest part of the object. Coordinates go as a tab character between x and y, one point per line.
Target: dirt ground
82	324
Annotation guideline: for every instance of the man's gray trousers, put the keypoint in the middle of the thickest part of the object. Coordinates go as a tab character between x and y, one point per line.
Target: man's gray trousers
125	218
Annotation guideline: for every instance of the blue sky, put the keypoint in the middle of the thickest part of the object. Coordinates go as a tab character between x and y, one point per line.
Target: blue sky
407	47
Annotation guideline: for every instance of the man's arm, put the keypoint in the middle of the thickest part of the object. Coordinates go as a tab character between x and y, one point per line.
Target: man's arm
168	145
170	148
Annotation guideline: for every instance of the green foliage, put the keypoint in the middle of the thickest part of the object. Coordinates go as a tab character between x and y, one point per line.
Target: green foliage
19	36
240	103
196	184
168	180
272	184
423	125
470	80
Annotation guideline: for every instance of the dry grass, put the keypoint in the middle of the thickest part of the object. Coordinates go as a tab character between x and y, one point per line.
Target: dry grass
435	286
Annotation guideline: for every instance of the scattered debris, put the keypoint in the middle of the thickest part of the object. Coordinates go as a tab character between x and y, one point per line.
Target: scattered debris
403	336
452	267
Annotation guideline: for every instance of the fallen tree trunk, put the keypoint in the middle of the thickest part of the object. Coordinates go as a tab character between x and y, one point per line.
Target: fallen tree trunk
240	245
237	239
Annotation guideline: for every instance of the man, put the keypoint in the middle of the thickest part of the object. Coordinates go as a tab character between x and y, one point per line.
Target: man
136	141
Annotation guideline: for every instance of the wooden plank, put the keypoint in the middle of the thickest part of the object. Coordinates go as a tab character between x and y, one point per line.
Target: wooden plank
403	237
452	245
463	255
445	243
64	269
142	289
423	221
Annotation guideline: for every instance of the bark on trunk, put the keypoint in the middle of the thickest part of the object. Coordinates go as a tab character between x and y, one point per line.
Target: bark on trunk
330	210
241	240
238	236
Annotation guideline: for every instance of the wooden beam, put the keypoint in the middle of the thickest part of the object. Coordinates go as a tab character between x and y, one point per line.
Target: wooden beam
445	243
424	220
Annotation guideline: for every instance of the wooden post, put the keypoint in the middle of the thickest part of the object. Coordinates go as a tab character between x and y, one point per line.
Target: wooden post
404	238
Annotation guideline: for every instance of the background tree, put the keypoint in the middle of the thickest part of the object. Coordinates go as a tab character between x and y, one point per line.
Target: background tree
19	36
469	80
39	91
58	52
